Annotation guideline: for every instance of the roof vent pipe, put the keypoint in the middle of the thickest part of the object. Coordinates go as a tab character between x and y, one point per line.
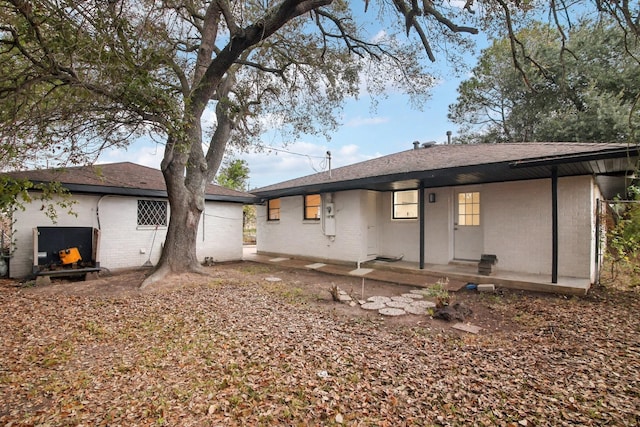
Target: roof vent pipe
416	145
449	133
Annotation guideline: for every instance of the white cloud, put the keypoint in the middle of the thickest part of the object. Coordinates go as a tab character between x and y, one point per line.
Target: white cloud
366	121
146	154
380	36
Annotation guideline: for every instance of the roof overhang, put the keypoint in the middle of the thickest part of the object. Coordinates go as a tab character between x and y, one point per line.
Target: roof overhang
139	192
614	163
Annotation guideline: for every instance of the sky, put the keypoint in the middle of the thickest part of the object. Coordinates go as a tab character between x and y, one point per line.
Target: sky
364	134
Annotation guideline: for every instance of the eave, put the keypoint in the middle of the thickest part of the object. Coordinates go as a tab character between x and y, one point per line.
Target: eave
616	162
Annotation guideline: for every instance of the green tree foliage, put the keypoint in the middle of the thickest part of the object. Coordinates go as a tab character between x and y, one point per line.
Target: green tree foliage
234	174
584	88
80	76
623	237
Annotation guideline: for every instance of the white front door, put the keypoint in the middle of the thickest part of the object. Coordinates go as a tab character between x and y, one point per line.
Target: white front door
467	228
372	224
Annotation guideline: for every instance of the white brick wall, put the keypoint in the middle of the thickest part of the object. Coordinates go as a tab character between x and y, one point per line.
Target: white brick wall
397	237
515	216
21	262
292	235
123	244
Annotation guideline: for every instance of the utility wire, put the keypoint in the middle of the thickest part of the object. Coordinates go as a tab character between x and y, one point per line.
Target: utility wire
282	150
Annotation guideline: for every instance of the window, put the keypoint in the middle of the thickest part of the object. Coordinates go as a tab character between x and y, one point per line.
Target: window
273	210
405	204
469	208
312	204
152	212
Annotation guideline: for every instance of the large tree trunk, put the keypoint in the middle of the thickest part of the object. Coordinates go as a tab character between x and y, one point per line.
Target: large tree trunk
186	198
185	167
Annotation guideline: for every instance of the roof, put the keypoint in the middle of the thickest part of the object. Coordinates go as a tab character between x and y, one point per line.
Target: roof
462	164
125	178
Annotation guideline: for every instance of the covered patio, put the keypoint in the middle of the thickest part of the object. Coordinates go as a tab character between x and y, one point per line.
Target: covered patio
410	273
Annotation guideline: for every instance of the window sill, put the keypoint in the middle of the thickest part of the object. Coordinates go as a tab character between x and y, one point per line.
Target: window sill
151	227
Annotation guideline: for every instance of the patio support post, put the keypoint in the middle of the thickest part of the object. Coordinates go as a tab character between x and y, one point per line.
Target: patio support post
421	216
554	222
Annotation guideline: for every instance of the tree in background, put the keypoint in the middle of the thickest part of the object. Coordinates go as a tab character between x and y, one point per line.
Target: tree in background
234	174
581	89
82	76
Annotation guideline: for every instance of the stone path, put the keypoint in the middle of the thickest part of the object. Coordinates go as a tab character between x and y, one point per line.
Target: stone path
409	303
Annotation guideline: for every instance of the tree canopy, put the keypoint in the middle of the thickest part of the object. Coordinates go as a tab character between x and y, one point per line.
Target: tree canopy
80	76
234	174
584	88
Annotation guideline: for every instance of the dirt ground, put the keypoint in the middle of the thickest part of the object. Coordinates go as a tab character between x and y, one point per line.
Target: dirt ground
308	286
239	347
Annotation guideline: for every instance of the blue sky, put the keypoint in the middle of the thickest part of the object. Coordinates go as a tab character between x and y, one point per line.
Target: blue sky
364	134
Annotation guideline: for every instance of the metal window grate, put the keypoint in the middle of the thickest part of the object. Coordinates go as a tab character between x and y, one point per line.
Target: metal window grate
152	212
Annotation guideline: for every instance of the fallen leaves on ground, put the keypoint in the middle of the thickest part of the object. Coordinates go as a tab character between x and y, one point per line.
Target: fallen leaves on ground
243	352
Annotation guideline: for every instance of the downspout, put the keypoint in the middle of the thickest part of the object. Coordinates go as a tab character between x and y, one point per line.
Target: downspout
554	222
421	213
98	211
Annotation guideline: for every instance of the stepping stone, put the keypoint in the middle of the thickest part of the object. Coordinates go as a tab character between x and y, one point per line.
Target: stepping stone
414	309
379	298
397	304
402	299
467	327
273	279
278	259
424	304
361	271
344	298
374	305
315	266
413	296
390	311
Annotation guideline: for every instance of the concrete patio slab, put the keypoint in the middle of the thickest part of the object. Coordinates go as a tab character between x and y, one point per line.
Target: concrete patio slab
361	271
409	273
316	265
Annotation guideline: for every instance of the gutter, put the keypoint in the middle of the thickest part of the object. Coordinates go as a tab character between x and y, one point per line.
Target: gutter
618	153
120	191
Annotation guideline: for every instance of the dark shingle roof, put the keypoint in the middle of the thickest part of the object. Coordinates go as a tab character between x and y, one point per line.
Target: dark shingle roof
456	164
121	178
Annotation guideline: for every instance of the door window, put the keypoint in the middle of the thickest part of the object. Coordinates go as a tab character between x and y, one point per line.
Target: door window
469	208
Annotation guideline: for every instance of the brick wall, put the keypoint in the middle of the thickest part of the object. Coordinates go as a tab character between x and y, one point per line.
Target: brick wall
515	216
292	235
123	243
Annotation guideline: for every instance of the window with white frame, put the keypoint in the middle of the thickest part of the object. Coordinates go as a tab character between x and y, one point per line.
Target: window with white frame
405	204
152	213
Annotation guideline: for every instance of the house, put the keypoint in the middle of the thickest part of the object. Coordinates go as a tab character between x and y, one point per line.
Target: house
127	204
531	206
